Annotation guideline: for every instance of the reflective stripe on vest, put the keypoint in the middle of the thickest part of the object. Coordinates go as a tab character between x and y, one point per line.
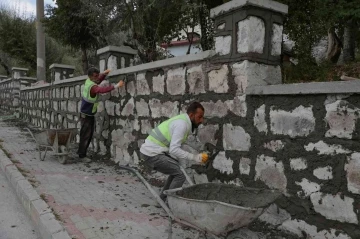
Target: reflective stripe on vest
161	134
87	96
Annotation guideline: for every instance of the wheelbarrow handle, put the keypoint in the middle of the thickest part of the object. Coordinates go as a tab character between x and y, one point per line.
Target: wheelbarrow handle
157	197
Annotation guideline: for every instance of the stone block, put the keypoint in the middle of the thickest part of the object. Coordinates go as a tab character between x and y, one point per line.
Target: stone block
301	229
274	215
145	126
223	45
352	168
341	117
251	35
307	188
235	138
159	84
217	109
66	92
206	134
102	65
299	122
110	107
142	108
259	119
128	108
271	173
166	109
223	164
298	164
196	80
72	106
130	87
142	85
176	81
77	91
324	173
334	207
326	149
238	105
245	166
218	80
274	145
112	63
276	39
248	74
71	92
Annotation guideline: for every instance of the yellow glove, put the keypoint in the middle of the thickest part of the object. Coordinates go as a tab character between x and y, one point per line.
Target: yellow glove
204	157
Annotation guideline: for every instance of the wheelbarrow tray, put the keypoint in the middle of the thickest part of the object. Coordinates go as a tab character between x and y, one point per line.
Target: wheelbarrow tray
47	137
203	205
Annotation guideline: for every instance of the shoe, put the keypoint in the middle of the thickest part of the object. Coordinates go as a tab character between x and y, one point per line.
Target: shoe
85	160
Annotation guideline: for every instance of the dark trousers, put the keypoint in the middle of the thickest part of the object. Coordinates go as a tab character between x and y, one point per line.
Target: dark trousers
86	134
168	166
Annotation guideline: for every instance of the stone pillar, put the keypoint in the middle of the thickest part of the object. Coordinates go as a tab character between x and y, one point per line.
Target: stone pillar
61	72
3	77
115	57
248	33
17	72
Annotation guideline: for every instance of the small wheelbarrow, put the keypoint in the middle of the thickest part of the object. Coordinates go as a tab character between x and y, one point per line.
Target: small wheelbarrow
58	140
215	209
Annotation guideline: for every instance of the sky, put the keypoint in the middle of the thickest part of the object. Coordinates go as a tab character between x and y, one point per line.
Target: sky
24	6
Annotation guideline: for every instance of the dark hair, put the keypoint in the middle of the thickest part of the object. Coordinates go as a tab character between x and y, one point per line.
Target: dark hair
92	70
193	107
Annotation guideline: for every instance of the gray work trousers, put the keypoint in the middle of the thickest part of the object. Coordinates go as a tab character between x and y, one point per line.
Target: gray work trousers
166	165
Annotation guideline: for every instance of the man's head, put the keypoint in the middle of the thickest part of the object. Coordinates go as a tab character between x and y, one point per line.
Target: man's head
196	114
93	74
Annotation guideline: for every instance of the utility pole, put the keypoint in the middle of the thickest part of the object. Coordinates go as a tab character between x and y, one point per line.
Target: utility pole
40	41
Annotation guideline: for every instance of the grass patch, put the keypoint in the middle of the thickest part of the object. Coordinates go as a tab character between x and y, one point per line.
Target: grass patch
57	216
15	161
23	171
43	197
9	155
33	182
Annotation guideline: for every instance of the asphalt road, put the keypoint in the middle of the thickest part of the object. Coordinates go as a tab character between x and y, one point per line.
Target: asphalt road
14	222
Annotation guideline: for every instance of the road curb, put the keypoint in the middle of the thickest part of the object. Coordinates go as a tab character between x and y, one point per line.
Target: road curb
39	211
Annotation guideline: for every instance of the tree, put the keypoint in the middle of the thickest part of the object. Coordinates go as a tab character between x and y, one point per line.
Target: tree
67	23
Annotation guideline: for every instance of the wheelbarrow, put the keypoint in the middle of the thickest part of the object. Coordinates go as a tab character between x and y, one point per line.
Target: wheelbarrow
58	140
213	209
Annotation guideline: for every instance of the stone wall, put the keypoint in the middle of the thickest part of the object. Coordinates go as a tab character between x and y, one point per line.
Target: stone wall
300	139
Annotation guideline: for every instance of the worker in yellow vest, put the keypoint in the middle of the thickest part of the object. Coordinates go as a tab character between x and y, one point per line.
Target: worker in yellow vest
89	103
162	148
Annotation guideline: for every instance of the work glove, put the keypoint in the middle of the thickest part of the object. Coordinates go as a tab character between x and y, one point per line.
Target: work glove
106	72
120	84
201	158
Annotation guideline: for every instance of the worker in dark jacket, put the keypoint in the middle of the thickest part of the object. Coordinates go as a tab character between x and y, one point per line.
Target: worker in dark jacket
89	108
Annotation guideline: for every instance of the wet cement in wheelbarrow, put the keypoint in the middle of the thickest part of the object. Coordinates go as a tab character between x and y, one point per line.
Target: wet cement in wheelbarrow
240	196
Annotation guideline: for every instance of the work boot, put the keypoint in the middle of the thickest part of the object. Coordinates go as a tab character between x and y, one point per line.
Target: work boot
85	160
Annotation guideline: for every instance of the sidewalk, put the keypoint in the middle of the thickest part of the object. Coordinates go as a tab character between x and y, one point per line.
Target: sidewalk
90	200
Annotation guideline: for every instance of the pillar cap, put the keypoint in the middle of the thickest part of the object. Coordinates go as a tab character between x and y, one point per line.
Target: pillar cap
120	49
19	69
55	65
235	4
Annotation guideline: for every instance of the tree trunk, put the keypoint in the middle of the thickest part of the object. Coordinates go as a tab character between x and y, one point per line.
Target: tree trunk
334	46
84	59
6	67
349	41
206	43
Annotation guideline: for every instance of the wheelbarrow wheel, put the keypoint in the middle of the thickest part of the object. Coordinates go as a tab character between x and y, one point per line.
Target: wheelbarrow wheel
63	158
